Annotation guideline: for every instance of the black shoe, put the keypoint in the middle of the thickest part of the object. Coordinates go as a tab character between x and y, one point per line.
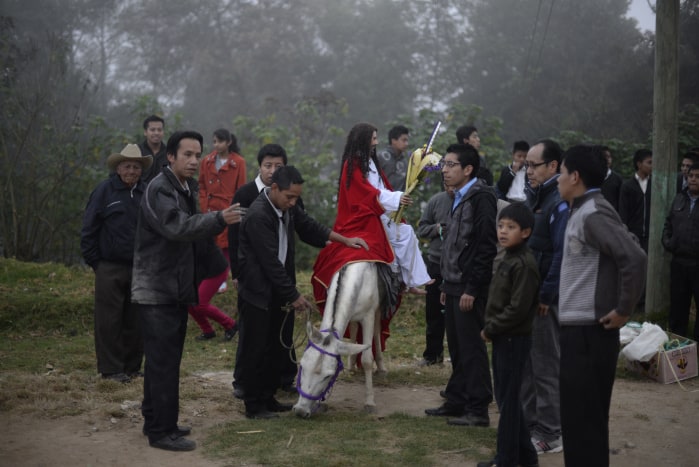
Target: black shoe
118	377
430	362
469	420
239	393
182	430
230	333
289	388
172	442
205	336
443	394
273	405
261	415
445	410
135	374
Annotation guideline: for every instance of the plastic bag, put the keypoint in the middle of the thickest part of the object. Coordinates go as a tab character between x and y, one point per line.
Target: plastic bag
629	332
646	344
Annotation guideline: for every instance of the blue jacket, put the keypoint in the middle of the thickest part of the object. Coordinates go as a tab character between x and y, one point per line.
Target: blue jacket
546	241
109	223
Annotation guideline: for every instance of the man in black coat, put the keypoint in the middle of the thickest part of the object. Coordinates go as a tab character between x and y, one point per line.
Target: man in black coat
267	285
107	243
269	158
634	197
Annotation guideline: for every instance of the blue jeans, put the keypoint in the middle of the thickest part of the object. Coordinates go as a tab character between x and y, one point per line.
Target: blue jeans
514	446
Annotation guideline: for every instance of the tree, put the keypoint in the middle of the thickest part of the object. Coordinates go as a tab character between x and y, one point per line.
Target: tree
49	143
546	65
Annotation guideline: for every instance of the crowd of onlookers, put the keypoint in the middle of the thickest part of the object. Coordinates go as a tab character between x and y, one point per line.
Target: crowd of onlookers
547	263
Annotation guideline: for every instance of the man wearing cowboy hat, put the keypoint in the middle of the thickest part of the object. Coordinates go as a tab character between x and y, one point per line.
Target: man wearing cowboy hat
107	244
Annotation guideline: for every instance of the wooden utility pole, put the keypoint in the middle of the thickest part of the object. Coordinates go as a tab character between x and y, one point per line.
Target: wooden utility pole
665	109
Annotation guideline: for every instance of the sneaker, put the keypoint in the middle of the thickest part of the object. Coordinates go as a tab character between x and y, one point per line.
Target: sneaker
223	287
206	336
230	333
118	377
548	447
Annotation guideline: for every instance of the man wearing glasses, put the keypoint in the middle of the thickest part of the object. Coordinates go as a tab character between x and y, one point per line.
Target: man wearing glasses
466	264
540	400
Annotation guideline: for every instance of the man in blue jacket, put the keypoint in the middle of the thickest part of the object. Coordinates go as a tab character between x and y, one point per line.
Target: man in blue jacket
107	241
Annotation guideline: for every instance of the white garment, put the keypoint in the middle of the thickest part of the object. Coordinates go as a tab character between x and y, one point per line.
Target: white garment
401	236
516	191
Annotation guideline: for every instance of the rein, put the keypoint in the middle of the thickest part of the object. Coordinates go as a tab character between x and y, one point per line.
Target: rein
326	392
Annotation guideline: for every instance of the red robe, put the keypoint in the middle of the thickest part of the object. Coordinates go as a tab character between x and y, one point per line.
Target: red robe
358	215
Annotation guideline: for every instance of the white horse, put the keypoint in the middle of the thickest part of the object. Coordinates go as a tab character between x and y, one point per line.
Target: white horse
355	295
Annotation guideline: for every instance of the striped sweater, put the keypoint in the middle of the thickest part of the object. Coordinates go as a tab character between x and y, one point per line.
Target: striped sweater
603	268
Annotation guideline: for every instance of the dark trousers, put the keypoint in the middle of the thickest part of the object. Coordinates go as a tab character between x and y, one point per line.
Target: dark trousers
514	446
434	317
164	330
469	385
684	283
588	365
287	371
118	341
288	367
261	354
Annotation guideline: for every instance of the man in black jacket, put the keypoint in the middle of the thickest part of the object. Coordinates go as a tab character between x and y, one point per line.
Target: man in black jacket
267	285
164	282
153	130
468	250
681	238
269	158
634	197
107	242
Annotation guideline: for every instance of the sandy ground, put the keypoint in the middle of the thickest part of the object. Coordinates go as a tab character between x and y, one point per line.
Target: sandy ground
651	425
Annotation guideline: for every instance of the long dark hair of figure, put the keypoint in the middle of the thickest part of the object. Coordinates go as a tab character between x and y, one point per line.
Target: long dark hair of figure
358	150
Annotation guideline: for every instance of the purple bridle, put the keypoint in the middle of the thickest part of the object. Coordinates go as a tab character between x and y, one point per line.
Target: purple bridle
320	397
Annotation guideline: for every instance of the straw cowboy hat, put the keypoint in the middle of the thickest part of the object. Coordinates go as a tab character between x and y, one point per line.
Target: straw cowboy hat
131	152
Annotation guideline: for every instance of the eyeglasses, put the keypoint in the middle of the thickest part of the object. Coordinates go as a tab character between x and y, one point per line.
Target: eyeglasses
448	164
533	165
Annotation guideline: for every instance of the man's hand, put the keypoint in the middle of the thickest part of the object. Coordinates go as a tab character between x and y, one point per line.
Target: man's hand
405	200
543	309
442	298
234	282
466	302
613	320
356	242
301	304
233	214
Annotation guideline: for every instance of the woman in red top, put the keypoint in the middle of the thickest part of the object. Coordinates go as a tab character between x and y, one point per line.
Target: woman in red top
220	175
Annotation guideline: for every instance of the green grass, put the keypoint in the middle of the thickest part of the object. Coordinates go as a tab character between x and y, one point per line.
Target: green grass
47	369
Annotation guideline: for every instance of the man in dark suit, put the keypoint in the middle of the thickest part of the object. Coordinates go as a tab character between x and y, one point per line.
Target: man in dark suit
269	158
267	285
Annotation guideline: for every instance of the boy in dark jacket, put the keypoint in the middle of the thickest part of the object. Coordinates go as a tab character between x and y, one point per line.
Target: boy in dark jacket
512	304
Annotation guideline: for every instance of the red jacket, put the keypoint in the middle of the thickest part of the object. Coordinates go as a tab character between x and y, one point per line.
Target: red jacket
216	188
358	215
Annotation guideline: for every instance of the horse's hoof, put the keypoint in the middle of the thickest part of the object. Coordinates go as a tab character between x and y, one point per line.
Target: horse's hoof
370	409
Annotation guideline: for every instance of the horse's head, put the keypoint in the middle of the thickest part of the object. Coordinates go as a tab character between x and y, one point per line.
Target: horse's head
320	365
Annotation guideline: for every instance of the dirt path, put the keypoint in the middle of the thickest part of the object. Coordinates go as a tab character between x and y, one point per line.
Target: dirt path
651	425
